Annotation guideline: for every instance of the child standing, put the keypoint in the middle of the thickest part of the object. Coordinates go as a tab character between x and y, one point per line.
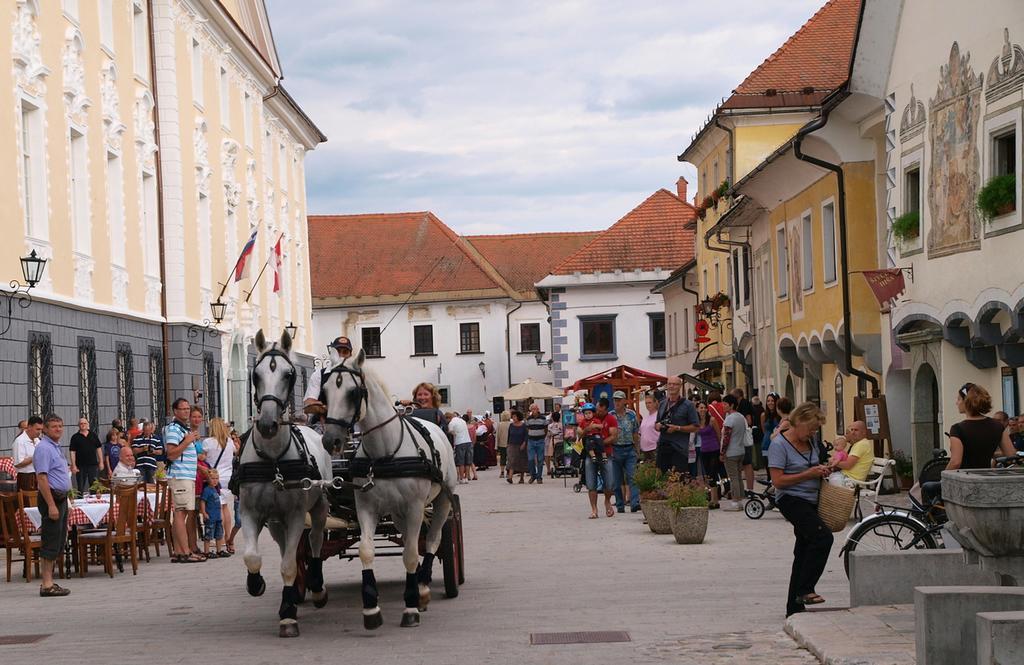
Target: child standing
210	507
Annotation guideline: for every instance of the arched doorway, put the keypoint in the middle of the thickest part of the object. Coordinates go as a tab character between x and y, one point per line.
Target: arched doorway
790	392
925	423
237	397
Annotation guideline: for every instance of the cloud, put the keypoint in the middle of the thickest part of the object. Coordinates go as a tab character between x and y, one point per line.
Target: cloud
524	116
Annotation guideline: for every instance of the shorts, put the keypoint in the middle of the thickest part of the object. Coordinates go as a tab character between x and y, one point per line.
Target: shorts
464	454
237	515
748	455
54	533
593	468
214	531
182	493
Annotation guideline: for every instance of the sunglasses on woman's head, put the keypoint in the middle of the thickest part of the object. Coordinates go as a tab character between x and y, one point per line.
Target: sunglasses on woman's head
965	389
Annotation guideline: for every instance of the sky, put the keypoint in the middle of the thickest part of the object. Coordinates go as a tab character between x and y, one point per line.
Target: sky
514	116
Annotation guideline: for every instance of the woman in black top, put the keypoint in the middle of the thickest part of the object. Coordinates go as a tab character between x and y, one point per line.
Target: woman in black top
974	441
426	402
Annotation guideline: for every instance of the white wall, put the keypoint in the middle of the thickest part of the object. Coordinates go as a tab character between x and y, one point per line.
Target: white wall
401	370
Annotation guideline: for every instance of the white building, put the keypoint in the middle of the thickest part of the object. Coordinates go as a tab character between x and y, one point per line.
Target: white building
428	305
603	310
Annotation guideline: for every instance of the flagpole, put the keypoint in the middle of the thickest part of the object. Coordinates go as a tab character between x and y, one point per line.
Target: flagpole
263	269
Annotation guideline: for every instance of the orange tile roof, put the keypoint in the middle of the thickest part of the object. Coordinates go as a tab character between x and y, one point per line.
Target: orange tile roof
524	259
652	235
814	61
388	254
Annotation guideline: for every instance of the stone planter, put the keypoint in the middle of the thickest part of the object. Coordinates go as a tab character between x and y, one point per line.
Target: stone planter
987	507
658	514
689	525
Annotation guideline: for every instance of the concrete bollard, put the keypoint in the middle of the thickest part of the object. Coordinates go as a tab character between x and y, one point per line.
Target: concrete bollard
889	578
1000	638
945	631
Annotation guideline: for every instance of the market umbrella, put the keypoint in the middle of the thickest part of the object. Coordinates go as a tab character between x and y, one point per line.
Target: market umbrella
531	389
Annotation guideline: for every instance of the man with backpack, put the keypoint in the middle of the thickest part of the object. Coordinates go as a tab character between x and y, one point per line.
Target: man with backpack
182	450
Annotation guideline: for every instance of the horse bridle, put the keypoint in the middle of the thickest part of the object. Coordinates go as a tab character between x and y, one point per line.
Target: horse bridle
360	381
273	354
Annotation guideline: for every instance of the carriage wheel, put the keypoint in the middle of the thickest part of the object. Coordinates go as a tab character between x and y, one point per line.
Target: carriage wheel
449	560
459	544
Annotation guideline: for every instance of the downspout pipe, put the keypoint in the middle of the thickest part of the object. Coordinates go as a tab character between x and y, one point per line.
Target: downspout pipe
828	105
508	340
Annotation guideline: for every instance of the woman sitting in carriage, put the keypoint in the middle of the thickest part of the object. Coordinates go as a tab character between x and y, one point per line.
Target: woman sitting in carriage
426	403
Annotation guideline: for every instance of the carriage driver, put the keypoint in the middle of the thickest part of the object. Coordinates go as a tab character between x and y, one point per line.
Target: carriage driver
311	403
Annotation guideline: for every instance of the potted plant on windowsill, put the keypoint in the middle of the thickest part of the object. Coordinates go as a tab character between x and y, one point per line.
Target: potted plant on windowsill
907	226
998	197
653	497
688	502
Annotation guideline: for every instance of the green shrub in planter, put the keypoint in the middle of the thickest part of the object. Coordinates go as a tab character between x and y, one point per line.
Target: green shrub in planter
907	225
687	495
998	196
649	478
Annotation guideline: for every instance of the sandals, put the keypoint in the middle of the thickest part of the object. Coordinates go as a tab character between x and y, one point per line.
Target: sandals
187	558
809	599
53	591
230	549
223	554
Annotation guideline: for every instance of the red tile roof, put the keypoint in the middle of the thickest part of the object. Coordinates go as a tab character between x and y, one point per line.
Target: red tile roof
809	65
524	259
370	256
650	236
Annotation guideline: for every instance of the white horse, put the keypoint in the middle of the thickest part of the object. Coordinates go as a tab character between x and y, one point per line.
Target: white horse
353	395
272	465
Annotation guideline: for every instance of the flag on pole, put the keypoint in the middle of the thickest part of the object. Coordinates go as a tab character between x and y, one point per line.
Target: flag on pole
275	263
242	264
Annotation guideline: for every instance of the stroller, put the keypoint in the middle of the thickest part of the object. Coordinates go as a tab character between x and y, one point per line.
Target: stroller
754	506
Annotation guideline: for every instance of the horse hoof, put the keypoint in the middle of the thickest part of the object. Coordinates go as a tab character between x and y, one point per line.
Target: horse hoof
424	598
373	621
289	628
255	584
410	619
320	599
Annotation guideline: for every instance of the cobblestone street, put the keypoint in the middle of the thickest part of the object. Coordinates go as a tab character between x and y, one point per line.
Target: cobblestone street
534	563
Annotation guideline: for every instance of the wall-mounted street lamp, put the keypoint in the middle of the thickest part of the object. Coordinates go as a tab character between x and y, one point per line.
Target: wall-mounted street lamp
291	329
483	369
219	310
710	308
539	357
32	267
197	336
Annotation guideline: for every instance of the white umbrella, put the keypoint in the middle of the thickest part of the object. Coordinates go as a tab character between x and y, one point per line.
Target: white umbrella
531	389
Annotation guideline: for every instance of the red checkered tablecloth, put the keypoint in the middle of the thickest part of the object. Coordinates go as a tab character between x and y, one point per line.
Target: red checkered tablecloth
78	515
7	466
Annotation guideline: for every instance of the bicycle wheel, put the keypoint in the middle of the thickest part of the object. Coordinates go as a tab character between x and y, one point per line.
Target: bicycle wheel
892	533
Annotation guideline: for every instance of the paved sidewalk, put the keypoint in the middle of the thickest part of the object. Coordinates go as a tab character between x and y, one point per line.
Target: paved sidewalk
877	635
534	563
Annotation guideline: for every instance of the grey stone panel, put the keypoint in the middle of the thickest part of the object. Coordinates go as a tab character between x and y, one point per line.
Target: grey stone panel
560	340
559	323
562	375
559	306
563	357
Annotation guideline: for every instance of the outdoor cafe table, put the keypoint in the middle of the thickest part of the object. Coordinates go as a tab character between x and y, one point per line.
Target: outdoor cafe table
7	466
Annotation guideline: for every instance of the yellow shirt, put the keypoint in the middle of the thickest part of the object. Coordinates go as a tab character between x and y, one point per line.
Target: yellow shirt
864	451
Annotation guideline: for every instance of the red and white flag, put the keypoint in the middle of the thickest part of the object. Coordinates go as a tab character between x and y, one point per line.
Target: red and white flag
242	264
275	263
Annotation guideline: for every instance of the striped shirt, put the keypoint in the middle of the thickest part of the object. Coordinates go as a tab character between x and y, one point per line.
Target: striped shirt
146	449
536	427
185	467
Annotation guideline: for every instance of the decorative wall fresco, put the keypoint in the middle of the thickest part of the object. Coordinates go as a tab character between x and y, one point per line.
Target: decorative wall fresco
796	267
954	176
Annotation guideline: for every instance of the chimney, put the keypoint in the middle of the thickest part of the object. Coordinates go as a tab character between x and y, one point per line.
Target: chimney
681	187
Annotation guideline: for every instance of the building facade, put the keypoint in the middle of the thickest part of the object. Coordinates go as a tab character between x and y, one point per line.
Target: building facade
151	138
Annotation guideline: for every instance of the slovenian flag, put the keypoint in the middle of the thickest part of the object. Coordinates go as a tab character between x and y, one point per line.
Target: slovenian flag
242	264
275	262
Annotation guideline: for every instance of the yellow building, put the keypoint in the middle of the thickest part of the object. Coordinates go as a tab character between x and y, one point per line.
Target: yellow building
150	146
763	113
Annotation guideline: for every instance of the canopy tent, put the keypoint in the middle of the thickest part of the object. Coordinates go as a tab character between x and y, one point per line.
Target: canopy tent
531	389
630	380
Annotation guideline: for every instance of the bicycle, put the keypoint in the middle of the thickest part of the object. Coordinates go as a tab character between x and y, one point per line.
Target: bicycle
895	529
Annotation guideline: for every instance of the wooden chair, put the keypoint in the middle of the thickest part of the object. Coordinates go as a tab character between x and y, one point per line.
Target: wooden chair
120	531
18	532
160	524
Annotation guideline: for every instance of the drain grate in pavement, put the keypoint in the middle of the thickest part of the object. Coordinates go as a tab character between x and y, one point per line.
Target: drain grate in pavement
22	639
580	637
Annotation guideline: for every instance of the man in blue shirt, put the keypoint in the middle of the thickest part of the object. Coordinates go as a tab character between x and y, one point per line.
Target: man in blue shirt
183	455
53	478
677	419
623	458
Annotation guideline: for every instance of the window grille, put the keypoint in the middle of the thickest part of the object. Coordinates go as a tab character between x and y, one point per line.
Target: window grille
40	369
125	383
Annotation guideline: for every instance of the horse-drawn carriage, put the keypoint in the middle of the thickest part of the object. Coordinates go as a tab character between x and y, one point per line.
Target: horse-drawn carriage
342	532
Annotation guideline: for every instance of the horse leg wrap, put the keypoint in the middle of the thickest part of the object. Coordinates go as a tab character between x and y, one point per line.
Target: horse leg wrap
255	584
315	575
369	590
289	600
412	594
426	571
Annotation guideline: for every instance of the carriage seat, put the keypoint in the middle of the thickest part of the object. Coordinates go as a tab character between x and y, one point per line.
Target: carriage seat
333	523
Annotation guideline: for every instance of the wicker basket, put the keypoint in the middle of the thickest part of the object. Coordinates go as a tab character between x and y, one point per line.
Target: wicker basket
835	504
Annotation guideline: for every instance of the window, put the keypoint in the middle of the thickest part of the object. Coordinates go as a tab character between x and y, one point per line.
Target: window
87	406
211	385
79	193
529	337
33	171
707	286
745	273
157	409
736	269
715	182
828	239
115	209
197	73
807	249
151	252
598	336
912	189
282	173
205	238
782	251
657	334
445	392
107	24
423	340
840	405
469	338
247	119
140	39
1009	389
125	383
728	280
686	329
1004	153
718	280
225	99
371	342
40	374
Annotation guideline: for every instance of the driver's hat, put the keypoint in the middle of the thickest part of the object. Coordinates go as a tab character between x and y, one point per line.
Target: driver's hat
341	343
